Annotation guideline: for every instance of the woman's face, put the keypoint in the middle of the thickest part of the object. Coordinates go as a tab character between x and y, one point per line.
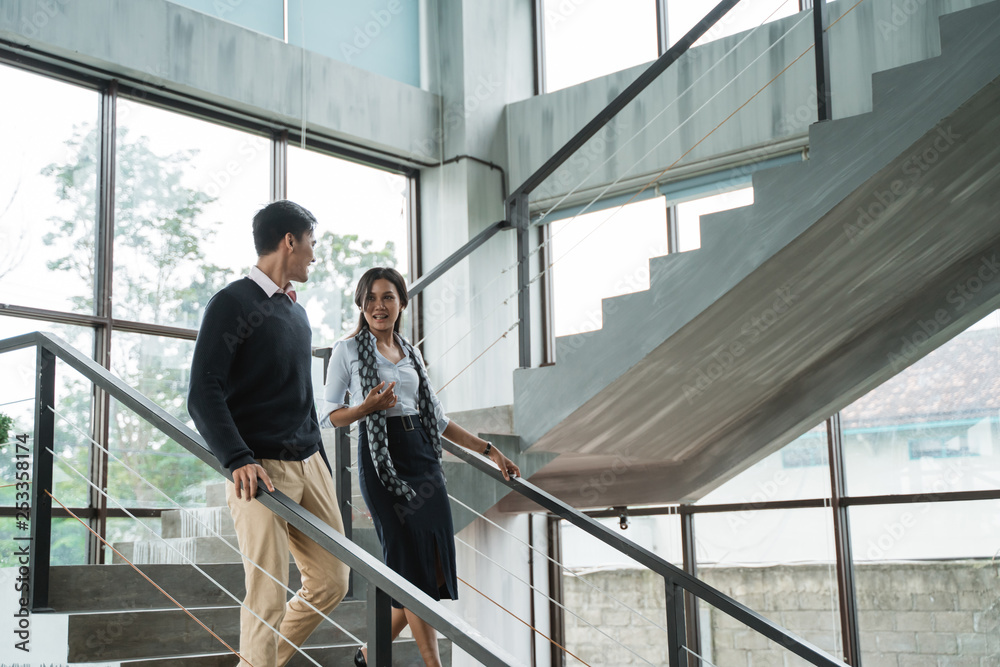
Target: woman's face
382	306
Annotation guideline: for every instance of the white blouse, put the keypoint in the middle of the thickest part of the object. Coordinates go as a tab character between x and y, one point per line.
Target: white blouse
342	377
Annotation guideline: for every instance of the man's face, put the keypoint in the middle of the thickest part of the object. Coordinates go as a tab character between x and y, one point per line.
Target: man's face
301	257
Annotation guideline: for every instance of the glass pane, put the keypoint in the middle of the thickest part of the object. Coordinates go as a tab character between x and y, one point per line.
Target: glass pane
266	16
128	530
585	40
689	214
927	582
159	368
381	36
620	241
185	193
69	542
659	534
780	563
73	407
727	642
362	216
615	609
935	427
682	15
48	193
798	470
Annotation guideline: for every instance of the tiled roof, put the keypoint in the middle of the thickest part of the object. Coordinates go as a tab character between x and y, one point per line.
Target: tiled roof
960	380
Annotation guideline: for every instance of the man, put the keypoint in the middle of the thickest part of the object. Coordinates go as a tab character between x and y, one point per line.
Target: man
251	398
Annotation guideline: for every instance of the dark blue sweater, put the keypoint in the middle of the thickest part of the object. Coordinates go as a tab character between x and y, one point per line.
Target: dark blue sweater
251	393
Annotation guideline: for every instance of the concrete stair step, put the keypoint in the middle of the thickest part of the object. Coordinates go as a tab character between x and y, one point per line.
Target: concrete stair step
94	588
404	654
197	522
180	550
215	495
130	635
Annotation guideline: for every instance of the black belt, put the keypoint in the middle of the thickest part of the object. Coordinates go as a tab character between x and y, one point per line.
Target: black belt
408	422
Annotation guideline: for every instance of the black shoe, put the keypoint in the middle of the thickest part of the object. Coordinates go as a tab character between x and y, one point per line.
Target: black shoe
359	659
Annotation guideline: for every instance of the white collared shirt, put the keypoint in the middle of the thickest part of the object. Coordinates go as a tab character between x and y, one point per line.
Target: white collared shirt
269	286
343	376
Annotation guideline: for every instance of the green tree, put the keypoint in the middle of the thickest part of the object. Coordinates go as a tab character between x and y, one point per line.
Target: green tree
6	423
340	262
161	275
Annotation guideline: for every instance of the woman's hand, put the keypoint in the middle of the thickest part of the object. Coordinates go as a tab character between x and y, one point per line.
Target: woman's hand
379	399
507	467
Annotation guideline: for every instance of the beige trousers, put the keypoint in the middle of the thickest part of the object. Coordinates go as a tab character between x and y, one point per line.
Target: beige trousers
266	539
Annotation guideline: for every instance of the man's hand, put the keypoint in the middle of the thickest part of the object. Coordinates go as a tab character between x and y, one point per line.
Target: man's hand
245	479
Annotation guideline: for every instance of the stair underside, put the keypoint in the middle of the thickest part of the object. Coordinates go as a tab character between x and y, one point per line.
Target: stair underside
806	329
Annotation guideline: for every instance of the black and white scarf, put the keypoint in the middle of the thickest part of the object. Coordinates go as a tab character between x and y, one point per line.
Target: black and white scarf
378	441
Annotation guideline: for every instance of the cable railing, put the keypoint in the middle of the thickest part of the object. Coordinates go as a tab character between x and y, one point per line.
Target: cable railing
518	216
384	584
676	580
208	530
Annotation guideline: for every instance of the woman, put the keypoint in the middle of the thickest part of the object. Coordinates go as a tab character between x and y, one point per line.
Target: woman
399	448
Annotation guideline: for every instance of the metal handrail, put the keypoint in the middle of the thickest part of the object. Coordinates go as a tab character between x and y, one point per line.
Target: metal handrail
385	582
674	576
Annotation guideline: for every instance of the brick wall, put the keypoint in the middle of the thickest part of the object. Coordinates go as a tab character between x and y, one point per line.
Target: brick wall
912	614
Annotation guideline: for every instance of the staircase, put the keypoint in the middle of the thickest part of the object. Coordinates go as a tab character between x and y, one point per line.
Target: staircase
204	536
117	616
847	268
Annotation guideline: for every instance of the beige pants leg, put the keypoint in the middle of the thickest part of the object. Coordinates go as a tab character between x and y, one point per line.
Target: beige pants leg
266	539
324	578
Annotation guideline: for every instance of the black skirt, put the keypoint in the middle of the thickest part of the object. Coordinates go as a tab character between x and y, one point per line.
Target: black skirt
415	535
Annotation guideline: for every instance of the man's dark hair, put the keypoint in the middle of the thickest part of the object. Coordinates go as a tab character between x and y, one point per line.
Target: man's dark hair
278	218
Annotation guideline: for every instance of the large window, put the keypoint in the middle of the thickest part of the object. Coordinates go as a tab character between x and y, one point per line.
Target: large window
936	424
689	214
586	40
264	16
381	36
362	216
682	15
922	482
48	193
620	242
185	191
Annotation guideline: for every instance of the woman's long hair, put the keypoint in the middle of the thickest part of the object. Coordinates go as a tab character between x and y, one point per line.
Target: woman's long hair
365	286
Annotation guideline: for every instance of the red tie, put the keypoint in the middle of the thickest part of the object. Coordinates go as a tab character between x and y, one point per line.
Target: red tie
291	294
